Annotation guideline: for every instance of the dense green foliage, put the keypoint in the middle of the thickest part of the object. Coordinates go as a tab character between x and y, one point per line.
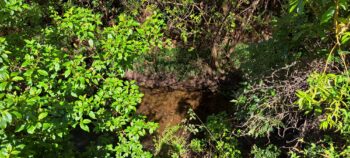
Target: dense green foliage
69	76
281	103
64	90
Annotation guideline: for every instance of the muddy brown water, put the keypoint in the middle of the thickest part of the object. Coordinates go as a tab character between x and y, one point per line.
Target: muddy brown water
169	107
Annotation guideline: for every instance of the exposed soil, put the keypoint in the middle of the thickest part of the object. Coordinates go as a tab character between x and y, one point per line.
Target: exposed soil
169	107
167	101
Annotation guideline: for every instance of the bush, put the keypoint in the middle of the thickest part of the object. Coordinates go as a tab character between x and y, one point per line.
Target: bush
270	151
68	77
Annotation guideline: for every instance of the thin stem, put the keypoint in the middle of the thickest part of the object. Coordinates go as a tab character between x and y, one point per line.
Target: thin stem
337	34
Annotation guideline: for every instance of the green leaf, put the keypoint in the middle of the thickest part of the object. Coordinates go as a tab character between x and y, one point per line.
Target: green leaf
42	84
296	5
17	114
67	73
86	121
43	72
6	116
15	152
84	127
328	15
3	74
343	4
4	59
20	128
3	86
3	124
17	78
46	126
60	134
28	73
345	37
74	94
92	115
31	129
42	115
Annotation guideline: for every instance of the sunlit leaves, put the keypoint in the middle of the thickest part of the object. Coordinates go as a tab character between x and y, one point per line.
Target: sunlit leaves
296	5
5	118
68	77
13	13
42	115
43	72
128	39
4	74
17	78
79	22
328	15
328	95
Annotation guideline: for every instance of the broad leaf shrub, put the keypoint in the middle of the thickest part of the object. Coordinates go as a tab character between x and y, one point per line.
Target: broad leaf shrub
328	95
327	98
67	78
16	13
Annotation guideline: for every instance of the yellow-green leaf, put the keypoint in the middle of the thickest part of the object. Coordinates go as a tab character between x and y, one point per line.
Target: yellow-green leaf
17	78
43	72
42	115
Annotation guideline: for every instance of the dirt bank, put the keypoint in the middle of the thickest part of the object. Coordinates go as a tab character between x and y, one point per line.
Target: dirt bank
169	107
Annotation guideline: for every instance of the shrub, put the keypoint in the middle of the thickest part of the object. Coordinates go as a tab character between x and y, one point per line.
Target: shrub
270	151
171	143
68	77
